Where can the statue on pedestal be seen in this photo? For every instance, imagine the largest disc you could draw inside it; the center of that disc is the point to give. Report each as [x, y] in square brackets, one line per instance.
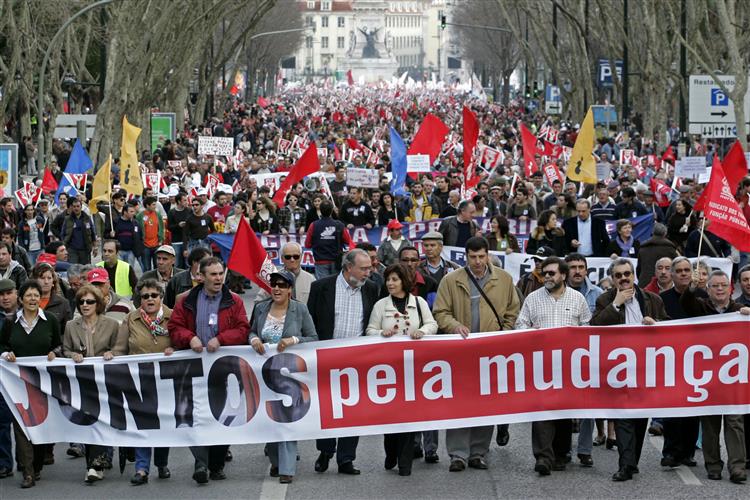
[369, 51]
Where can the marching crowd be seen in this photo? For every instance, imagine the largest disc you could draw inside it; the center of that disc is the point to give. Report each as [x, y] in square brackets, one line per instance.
[160, 285]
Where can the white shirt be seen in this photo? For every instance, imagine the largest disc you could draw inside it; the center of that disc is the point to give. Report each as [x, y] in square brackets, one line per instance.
[348, 310]
[21, 319]
[586, 247]
[542, 310]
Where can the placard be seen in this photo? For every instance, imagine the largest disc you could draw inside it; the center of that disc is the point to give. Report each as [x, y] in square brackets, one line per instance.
[209, 145]
[602, 172]
[363, 177]
[691, 166]
[705, 177]
[418, 163]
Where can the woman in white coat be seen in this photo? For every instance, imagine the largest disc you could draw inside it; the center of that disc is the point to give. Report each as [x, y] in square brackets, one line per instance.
[397, 315]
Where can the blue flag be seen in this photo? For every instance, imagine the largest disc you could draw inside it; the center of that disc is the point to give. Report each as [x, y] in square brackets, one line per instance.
[78, 163]
[398, 163]
[643, 227]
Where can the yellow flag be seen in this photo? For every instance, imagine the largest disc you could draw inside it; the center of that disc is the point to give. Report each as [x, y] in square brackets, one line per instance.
[130, 172]
[582, 166]
[101, 189]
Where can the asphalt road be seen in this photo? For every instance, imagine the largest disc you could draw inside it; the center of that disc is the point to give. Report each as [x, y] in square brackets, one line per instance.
[510, 475]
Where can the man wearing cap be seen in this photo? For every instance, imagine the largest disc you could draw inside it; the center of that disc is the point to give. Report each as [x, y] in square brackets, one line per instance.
[165, 270]
[120, 272]
[533, 280]
[151, 226]
[209, 316]
[388, 250]
[651, 206]
[434, 265]
[496, 203]
[8, 308]
[117, 307]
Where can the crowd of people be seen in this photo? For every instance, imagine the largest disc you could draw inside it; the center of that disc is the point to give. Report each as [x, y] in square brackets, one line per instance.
[160, 285]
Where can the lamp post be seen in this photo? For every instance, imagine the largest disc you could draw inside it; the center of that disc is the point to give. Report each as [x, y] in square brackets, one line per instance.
[43, 70]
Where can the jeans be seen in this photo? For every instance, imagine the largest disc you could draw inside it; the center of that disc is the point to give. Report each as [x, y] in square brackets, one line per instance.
[6, 420]
[586, 436]
[148, 258]
[284, 456]
[33, 256]
[143, 458]
[430, 440]
[128, 256]
[323, 270]
[179, 258]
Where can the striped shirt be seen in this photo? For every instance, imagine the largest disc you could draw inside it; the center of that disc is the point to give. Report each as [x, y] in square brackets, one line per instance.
[542, 310]
[349, 310]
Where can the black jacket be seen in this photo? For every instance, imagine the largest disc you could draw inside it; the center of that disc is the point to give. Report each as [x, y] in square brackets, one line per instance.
[599, 235]
[322, 304]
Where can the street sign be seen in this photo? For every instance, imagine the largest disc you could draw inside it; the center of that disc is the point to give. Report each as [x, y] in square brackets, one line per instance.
[162, 129]
[711, 112]
[552, 100]
[8, 169]
[604, 72]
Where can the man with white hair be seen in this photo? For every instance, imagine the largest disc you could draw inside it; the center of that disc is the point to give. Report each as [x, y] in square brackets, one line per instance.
[291, 260]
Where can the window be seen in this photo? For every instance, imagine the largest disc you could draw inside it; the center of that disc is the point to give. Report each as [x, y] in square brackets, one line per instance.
[323, 21]
[340, 42]
[308, 42]
[310, 4]
[308, 21]
[325, 5]
[324, 42]
[341, 22]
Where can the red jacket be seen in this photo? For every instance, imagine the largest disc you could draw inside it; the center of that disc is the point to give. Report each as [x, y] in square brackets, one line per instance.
[233, 325]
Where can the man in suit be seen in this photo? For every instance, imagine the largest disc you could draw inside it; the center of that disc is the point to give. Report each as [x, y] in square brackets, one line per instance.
[626, 304]
[585, 234]
[340, 306]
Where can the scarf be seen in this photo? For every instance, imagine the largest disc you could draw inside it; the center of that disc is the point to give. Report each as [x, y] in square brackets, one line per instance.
[625, 246]
[155, 326]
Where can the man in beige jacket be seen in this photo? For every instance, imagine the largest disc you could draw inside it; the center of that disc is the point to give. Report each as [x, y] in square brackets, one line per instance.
[478, 298]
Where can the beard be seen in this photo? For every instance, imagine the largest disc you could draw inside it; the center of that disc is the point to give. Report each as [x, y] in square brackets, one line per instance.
[551, 286]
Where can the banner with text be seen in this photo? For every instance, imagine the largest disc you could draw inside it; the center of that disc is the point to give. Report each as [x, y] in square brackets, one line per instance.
[374, 385]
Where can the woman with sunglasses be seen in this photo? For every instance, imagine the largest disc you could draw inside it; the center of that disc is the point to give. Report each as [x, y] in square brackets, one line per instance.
[144, 331]
[89, 335]
[29, 333]
[398, 315]
[283, 322]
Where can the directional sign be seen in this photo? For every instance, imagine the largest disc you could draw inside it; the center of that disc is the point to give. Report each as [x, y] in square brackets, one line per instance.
[605, 72]
[711, 110]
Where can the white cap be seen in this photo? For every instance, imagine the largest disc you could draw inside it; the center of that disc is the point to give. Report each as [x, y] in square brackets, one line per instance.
[202, 191]
[225, 188]
[174, 190]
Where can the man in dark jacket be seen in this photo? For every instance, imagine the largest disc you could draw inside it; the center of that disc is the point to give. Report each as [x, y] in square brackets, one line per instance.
[186, 280]
[652, 250]
[209, 316]
[18, 253]
[585, 234]
[457, 230]
[78, 234]
[626, 304]
[629, 207]
[342, 315]
[326, 237]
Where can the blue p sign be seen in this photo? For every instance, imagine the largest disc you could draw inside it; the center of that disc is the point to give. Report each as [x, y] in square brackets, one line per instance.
[718, 98]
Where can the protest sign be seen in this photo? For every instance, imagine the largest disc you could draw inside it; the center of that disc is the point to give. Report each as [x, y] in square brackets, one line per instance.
[221, 146]
[418, 163]
[362, 177]
[690, 166]
[372, 385]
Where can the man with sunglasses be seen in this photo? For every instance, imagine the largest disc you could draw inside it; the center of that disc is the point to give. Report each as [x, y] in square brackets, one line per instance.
[627, 304]
[291, 260]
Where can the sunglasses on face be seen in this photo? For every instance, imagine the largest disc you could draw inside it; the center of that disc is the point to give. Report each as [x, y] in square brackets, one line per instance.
[549, 273]
[89, 302]
[280, 284]
[147, 296]
[624, 274]
[292, 257]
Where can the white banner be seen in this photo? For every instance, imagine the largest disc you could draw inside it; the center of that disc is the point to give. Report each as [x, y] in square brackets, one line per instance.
[418, 163]
[221, 146]
[362, 177]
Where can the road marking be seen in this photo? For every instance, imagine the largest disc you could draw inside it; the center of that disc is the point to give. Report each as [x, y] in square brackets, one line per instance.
[684, 472]
[271, 489]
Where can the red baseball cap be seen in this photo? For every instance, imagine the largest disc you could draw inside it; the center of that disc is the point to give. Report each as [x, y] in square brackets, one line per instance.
[98, 275]
[47, 258]
[394, 224]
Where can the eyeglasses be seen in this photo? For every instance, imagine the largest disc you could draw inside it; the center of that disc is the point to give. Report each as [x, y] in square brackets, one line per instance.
[146, 296]
[280, 284]
[89, 302]
[292, 257]
[624, 274]
[549, 273]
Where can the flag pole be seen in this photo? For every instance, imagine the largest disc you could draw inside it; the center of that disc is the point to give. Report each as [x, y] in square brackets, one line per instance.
[111, 220]
[700, 241]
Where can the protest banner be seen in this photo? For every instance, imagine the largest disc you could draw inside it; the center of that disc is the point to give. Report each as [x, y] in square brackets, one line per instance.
[210, 145]
[362, 177]
[372, 385]
[690, 166]
[418, 163]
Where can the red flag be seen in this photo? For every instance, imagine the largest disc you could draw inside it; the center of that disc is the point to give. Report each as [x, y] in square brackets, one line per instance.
[336, 152]
[529, 150]
[429, 138]
[735, 165]
[350, 77]
[361, 111]
[701, 201]
[249, 258]
[661, 192]
[336, 116]
[668, 155]
[263, 102]
[552, 173]
[471, 133]
[353, 143]
[307, 164]
[727, 220]
[49, 184]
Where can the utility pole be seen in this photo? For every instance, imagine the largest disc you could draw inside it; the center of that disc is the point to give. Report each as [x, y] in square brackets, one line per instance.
[625, 68]
[554, 37]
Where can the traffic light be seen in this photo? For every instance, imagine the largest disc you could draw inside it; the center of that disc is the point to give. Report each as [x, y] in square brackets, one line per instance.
[442, 22]
[527, 92]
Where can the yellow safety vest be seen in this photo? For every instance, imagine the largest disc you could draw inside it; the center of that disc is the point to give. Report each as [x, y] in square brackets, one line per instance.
[122, 279]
